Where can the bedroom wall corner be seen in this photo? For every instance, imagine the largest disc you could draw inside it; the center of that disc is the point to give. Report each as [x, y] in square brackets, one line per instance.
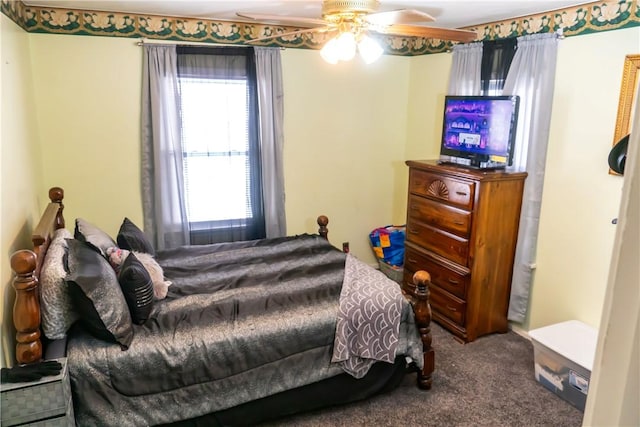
[21, 162]
[345, 132]
[428, 83]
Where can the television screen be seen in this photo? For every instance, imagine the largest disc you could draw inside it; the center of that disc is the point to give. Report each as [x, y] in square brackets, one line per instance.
[479, 131]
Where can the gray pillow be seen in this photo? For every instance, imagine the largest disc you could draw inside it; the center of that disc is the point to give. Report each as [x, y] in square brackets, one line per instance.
[96, 294]
[55, 302]
[94, 236]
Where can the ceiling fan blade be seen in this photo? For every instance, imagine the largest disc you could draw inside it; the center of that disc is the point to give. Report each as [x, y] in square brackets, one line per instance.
[401, 16]
[290, 21]
[292, 33]
[464, 36]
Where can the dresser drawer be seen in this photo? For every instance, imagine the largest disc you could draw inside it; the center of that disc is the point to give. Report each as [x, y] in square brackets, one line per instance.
[455, 191]
[439, 215]
[447, 305]
[445, 244]
[441, 275]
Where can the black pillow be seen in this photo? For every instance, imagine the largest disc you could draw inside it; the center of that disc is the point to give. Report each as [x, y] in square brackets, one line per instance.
[132, 238]
[94, 236]
[97, 296]
[137, 288]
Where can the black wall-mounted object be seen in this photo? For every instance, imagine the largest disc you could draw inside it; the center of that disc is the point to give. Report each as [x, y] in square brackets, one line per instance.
[618, 155]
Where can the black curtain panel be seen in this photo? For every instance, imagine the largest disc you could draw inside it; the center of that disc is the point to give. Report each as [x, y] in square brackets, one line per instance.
[496, 60]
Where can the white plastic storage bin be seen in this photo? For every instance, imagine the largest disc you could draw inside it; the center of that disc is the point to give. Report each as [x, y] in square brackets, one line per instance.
[563, 356]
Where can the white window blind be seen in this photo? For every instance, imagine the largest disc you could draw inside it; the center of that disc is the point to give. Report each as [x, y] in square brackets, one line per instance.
[215, 141]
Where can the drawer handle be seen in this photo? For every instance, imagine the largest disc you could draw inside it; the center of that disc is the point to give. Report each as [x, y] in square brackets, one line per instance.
[412, 261]
[451, 308]
[412, 231]
[458, 222]
[461, 193]
[453, 281]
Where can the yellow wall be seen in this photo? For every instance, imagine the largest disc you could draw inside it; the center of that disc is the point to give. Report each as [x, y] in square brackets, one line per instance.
[88, 91]
[348, 130]
[344, 141]
[428, 82]
[428, 86]
[21, 182]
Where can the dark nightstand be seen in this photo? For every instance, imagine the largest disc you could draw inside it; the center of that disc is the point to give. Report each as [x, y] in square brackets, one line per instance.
[46, 402]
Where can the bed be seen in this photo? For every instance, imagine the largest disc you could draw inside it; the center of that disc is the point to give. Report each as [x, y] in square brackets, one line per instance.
[248, 331]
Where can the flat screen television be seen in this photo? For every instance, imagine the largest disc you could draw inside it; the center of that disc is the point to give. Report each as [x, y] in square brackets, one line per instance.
[479, 131]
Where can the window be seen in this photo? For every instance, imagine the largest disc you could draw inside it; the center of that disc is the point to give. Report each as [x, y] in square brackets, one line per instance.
[216, 150]
[496, 60]
[219, 144]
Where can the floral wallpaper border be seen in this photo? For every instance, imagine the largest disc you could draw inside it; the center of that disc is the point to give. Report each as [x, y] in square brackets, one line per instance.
[584, 19]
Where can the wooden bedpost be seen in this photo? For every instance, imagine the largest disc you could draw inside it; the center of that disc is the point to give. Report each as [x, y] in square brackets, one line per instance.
[322, 223]
[51, 220]
[26, 265]
[56, 194]
[26, 309]
[422, 310]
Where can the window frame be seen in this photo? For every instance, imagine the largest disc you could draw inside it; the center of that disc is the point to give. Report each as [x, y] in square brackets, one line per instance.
[253, 225]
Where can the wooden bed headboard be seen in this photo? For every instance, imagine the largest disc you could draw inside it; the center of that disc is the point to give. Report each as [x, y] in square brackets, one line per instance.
[26, 265]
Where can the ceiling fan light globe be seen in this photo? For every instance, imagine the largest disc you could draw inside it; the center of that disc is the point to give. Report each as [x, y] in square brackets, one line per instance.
[346, 43]
[329, 51]
[369, 49]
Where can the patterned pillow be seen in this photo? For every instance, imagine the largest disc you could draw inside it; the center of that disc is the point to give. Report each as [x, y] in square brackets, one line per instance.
[97, 296]
[132, 238]
[95, 237]
[137, 288]
[55, 302]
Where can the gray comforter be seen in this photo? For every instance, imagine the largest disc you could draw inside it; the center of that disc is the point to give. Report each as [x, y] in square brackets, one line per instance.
[242, 321]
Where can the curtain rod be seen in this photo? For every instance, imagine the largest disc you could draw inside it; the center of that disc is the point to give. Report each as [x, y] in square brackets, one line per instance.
[559, 34]
[143, 41]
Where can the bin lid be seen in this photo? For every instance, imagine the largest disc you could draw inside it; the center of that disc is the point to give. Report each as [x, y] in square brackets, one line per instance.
[572, 339]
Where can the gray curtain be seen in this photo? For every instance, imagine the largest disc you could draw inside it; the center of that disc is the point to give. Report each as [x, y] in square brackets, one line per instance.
[532, 77]
[165, 218]
[271, 112]
[466, 69]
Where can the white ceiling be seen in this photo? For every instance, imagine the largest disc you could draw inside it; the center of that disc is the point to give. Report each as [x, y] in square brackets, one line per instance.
[448, 13]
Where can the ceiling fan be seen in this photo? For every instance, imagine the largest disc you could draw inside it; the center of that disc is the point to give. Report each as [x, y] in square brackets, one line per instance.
[353, 21]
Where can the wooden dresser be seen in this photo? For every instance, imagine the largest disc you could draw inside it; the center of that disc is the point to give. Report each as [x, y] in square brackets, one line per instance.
[462, 227]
